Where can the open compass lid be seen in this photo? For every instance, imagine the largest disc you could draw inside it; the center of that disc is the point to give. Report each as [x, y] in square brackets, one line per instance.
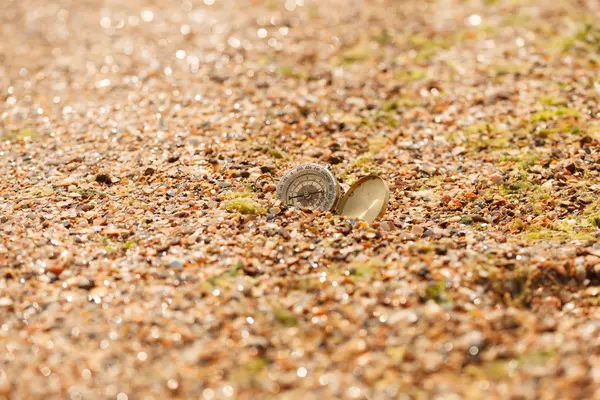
[367, 199]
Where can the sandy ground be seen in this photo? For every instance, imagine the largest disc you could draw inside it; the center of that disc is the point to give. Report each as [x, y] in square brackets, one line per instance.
[143, 253]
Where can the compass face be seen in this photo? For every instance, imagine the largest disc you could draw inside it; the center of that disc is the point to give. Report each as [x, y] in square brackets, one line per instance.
[309, 186]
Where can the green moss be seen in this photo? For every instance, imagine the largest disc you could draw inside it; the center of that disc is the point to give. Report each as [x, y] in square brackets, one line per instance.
[466, 220]
[22, 134]
[509, 159]
[244, 205]
[421, 247]
[542, 116]
[425, 55]
[275, 153]
[359, 53]
[536, 358]
[361, 271]
[411, 75]
[376, 143]
[237, 195]
[264, 60]
[486, 137]
[235, 269]
[288, 71]
[594, 221]
[363, 162]
[549, 100]
[89, 193]
[385, 119]
[424, 47]
[560, 231]
[396, 353]
[586, 39]
[513, 287]
[383, 37]
[537, 197]
[499, 369]
[516, 186]
[129, 244]
[438, 292]
[249, 371]
[389, 106]
[500, 70]
[527, 161]
[285, 318]
[492, 370]
[516, 19]
[313, 12]
[546, 133]
[548, 115]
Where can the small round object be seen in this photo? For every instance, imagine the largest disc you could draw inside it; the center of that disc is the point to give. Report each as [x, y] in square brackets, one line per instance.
[309, 186]
[367, 199]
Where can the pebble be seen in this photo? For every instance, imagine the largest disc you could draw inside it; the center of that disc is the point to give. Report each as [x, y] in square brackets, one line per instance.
[417, 230]
[5, 302]
[496, 179]
[175, 264]
[103, 178]
[387, 226]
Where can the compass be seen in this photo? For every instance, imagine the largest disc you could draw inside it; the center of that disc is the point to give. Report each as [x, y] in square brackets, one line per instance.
[314, 187]
[309, 186]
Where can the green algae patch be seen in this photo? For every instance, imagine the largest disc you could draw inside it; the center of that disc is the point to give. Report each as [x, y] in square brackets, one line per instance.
[288, 71]
[438, 292]
[361, 52]
[549, 115]
[285, 318]
[237, 195]
[276, 153]
[517, 186]
[244, 205]
[24, 134]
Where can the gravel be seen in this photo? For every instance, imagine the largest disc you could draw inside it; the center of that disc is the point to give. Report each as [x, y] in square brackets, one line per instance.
[143, 253]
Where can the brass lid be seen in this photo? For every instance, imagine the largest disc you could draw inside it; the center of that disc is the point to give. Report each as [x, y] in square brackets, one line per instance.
[367, 199]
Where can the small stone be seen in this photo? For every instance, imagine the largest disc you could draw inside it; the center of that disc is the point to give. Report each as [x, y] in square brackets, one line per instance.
[572, 168]
[417, 230]
[547, 185]
[457, 151]
[479, 219]
[175, 264]
[496, 179]
[86, 284]
[149, 171]
[103, 178]
[5, 302]
[387, 226]
[334, 160]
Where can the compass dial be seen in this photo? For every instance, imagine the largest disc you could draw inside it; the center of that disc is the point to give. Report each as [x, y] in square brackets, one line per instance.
[309, 186]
